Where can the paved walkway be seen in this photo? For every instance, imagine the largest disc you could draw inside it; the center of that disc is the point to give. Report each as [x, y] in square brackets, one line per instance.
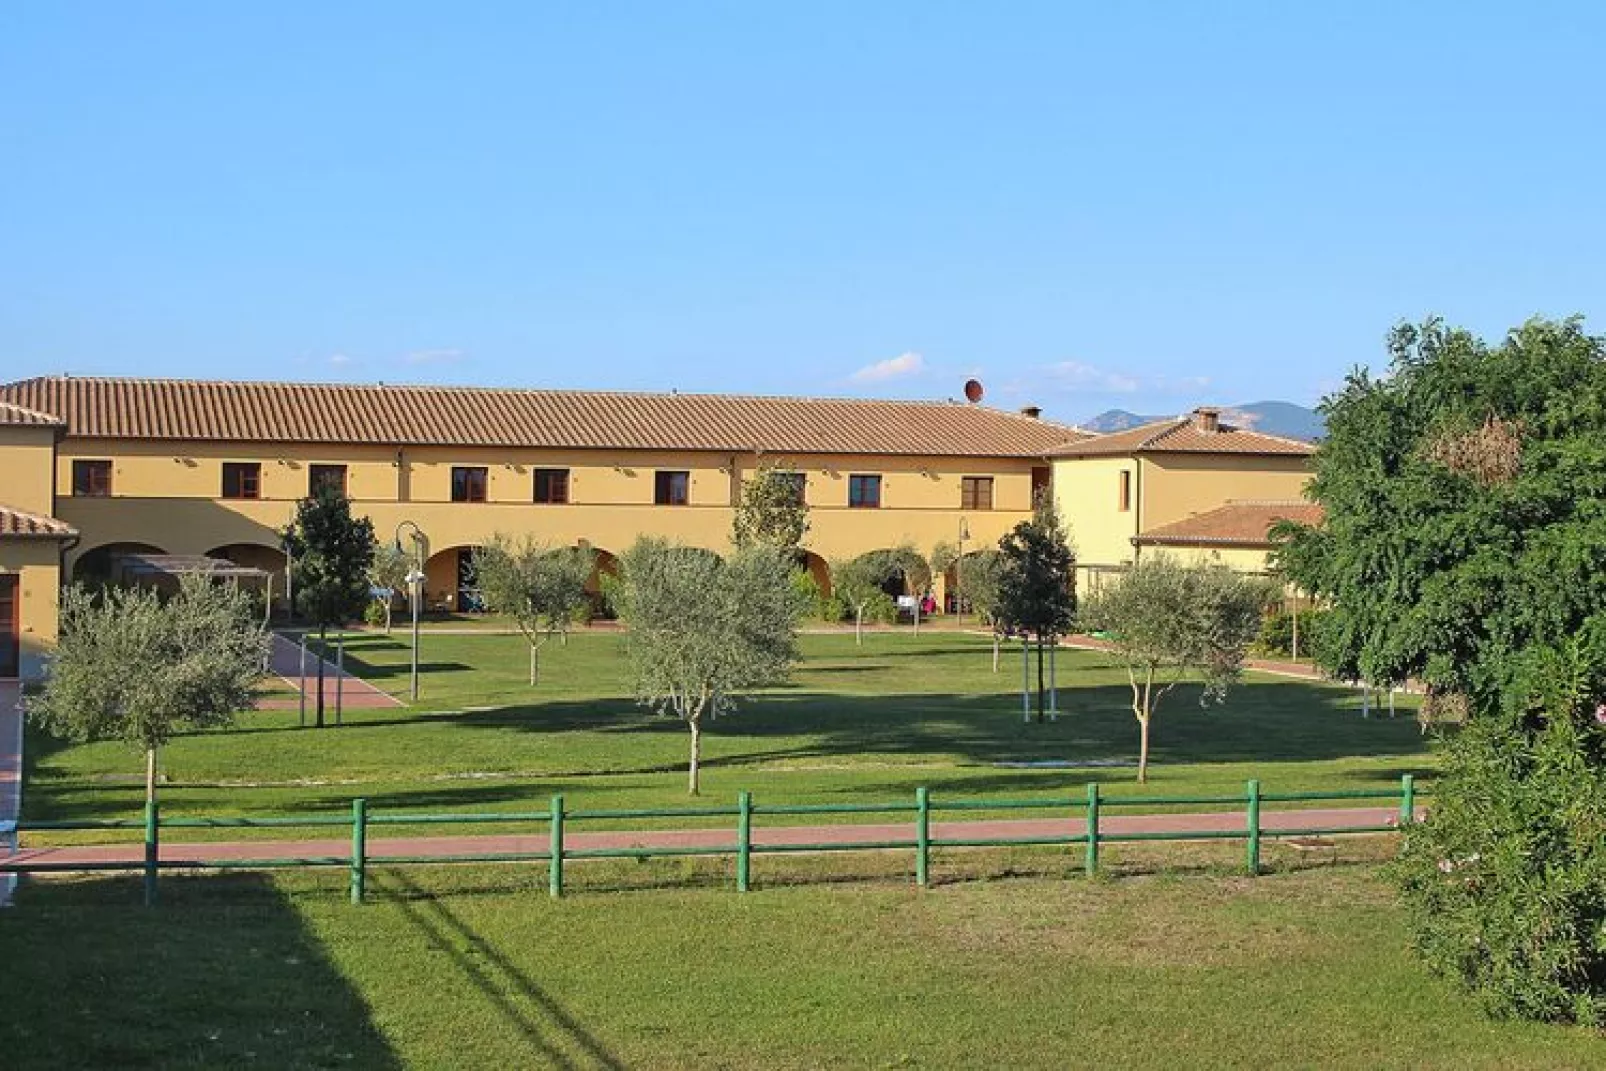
[177, 854]
[1301, 670]
[353, 692]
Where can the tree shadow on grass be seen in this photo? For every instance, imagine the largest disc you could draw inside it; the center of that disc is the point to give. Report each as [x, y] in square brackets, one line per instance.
[553, 1036]
[224, 973]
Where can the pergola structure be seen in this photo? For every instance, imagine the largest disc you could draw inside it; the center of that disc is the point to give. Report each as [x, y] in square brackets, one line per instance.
[154, 568]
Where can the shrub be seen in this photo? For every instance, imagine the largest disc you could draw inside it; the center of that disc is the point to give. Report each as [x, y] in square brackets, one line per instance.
[1506, 880]
[1276, 635]
[374, 614]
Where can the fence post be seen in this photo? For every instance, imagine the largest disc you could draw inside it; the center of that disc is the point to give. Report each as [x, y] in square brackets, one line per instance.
[555, 866]
[152, 849]
[1090, 860]
[744, 840]
[301, 681]
[359, 848]
[1407, 799]
[922, 837]
[1253, 788]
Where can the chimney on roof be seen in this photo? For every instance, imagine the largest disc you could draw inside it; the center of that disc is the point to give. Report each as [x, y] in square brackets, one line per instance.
[1031, 412]
[1207, 418]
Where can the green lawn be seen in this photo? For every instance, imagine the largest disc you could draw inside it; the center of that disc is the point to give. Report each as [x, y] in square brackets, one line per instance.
[856, 725]
[468, 968]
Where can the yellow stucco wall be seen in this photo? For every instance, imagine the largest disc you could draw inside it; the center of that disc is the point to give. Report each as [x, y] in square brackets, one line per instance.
[1241, 559]
[1087, 492]
[25, 468]
[165, 495]
[37, 561]
[1176, 486]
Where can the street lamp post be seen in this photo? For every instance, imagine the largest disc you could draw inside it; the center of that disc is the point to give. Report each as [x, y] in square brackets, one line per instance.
[415, 578]
[959, 570]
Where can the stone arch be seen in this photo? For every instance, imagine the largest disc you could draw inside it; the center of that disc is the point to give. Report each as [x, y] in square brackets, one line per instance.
[817, 567]
[449, 581]
[96, 565]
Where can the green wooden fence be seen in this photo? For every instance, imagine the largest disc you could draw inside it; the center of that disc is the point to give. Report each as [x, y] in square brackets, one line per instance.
[1088, 832]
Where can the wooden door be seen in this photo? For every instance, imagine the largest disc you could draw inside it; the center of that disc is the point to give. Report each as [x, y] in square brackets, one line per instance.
[10, 626]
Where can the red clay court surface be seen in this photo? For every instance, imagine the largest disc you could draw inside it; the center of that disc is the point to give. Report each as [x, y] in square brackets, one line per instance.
[1358, 819]
[353, 692]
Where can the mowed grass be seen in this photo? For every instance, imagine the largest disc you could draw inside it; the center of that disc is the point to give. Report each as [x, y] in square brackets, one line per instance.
[857, 724]
[473, 967]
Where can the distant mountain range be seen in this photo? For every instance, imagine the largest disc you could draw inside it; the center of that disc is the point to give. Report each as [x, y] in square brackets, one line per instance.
[1274, 418]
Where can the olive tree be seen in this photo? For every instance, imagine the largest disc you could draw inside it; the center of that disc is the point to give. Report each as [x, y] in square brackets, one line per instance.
[980, 577]
[390, 569]
[542, 589]
[135, 666]
[857, 582]
[703, 629]
[1170, 621]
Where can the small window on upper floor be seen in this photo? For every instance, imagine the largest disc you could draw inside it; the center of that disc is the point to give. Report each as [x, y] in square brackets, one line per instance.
[91, 479]
[1124, 496]
[552, 486]
[242, 479]
[671, 488]
[864, 492]
[976, 492]
[468, 483]
[320, 477]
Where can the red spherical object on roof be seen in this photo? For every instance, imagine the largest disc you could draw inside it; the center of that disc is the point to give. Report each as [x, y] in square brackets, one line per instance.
[973, 391]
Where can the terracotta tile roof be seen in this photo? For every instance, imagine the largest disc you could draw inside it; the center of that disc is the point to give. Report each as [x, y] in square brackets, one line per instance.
[1240, 523]
[1187, 435]
[477, 416]
[20, 523]
[16, 415]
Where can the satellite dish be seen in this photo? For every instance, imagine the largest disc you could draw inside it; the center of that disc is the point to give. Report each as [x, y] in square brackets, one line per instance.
[973, 391]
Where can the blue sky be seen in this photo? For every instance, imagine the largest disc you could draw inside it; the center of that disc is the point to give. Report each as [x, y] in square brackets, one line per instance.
[1143, 205]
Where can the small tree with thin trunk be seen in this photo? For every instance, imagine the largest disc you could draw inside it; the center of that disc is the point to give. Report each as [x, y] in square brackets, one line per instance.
[916, 571]
[857, 582]
[542, 589]
[333, 554]
[705, 629]
[980, 578]
[1170, 621]
[389, 571]
[1036, 596]
[134, 666]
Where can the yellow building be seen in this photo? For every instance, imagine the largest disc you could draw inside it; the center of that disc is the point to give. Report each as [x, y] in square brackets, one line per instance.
[1151, 485]
[31, 539]
[91, 469]
[216, 468]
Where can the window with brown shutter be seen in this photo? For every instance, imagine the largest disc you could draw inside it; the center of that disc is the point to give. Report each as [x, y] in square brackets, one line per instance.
[91, 479]
[332, 477]
[976, 492]
[242, 479]
[468, 483]
[1124, 500]
[552, 486]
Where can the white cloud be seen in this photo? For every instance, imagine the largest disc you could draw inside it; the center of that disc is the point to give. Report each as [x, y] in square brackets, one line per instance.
[440, 356]
[905, 364]
[1078, 375]
[1081, 376]
[339, 359]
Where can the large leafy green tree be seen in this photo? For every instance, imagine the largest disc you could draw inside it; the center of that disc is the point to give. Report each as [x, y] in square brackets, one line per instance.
[332, 555]
[705, 629]
[1171, 621]
[541, 588]
[135, 666]
[1464, 545]
[1036, 592]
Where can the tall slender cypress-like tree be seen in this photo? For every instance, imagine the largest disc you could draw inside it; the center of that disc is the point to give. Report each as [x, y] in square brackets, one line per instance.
[333, 554]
